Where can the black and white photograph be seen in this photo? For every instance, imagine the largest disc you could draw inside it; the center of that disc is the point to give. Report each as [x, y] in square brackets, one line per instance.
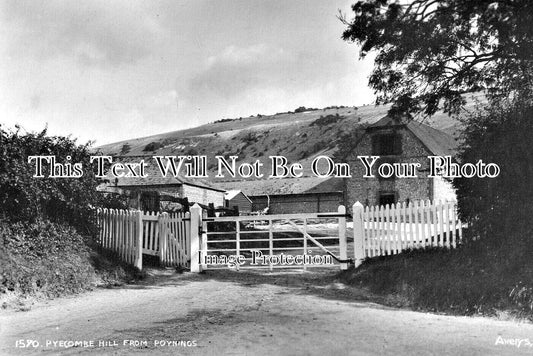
[266, 177]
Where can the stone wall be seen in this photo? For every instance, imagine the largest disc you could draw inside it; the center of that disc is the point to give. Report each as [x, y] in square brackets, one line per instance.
[369, 190]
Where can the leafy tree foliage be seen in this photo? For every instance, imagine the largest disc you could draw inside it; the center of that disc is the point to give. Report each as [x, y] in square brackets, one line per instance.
[24, 198]
[499, 209]
[430, 52]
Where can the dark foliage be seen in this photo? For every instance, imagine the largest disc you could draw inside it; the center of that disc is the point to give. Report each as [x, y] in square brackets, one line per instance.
[499, 209]
[327, 120]
[465, 281]
[63, 200]
[52, 259]
[152, 146]
[430, 52]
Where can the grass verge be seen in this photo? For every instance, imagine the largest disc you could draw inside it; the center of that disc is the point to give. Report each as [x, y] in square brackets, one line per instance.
[466, 281]
[45, 260]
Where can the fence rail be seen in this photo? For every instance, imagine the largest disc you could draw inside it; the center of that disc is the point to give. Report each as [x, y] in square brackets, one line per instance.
[387, 230]
[273, 235]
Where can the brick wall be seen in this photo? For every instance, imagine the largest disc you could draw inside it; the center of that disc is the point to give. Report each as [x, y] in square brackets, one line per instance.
[368, 190]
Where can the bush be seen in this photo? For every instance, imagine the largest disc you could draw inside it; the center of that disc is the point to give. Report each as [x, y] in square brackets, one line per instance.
[24, 198]
[327, 120]
[51, 259]
[152, 146]
[43, 257]
[498, 209]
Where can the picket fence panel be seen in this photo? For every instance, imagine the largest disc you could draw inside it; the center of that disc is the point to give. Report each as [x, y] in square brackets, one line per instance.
[132, 233]
[388, 230]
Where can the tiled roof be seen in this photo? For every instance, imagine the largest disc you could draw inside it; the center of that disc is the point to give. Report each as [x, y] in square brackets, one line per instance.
[154, 176]
[437, 142]
[283, 186]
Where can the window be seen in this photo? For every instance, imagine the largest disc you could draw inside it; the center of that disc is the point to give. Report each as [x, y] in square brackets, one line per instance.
[387, 198]
[386, 144]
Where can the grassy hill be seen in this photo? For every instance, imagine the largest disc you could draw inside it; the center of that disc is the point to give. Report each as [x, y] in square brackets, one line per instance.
[300, 136]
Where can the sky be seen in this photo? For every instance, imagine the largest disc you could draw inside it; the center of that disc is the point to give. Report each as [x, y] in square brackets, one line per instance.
[106, 71]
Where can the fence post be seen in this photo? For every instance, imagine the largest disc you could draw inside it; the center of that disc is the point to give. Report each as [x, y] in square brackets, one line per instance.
[342, 237]
[162, 221]
[358, 233]
[196, 223]
[203, 239]
[139, 253]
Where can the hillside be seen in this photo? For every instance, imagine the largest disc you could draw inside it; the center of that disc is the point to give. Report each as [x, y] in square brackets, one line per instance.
[299, 136]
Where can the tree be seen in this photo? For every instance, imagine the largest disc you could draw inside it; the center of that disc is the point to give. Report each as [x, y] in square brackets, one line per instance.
[499, 209]
[430, 52]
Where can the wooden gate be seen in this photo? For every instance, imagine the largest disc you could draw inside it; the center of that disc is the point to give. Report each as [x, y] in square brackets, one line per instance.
[130, 234]
[298, 241]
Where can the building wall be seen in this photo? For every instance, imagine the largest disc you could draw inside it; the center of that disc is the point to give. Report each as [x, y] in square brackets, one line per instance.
[368, 190]
[299, 203]
[243, 204]
[194, 194]
[443, 190]
[203, 196]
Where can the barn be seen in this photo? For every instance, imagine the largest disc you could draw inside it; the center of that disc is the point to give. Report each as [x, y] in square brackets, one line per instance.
[237, 200]
[155, 192]
[291, 195]
[399, 141]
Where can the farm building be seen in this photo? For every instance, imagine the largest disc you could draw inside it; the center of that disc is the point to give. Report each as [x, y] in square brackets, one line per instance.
[291, 195]
[236, 199]
[155, 192]
[399, 141]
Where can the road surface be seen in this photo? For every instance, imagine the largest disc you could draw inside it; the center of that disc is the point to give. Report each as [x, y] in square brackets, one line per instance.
[238, 313]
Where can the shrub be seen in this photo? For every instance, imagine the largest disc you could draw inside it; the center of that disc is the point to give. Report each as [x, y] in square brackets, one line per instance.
[152, 146]
[125, 149]
[327, 120]
[498, 208]
[25, 198]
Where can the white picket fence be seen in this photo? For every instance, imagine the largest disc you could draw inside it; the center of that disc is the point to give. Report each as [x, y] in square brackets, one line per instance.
[387, 230]
[130, 234]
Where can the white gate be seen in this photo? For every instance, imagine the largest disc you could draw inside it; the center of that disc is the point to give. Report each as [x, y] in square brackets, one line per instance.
[130, 234]
[269, 241]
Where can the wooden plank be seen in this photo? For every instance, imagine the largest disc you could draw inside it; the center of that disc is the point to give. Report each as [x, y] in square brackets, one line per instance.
[417, 224]
[270, 242]
[237, 240]
[435, 224]
[397, 228]
[448, 229]
[441, 224]
[454, 226]
[274, 217]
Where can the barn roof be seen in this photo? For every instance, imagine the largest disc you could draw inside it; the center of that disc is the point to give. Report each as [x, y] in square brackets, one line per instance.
[154, 176]
[436, 141]
[282, 186]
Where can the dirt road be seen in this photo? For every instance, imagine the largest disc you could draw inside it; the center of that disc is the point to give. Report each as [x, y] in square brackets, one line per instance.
[236, 313]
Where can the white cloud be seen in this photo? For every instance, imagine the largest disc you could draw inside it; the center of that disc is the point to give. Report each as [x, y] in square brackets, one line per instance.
[95, 32]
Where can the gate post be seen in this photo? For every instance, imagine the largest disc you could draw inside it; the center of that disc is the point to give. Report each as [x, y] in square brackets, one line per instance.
[358, 233]
[342, 237]
[203, 239]
[162, 221]
[196, 224]
[139, 243]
